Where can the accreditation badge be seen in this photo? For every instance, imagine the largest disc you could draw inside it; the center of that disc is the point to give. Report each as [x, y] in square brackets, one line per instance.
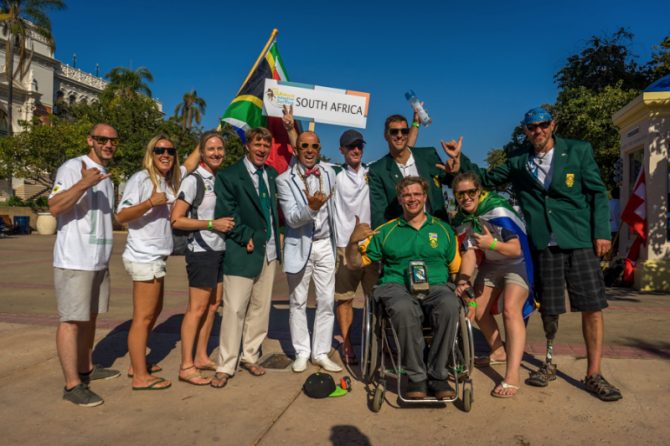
[569, 179]
[432, 239]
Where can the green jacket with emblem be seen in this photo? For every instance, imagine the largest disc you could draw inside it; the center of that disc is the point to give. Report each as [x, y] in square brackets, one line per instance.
[384, 174]
[237, 197]
[575, 207]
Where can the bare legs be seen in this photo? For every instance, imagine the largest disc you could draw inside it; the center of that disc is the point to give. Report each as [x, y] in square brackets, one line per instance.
[74, 343]
[147, 305]
[345, 316]
[593, 327]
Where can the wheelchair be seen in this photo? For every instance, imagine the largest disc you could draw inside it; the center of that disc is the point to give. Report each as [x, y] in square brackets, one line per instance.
[381, 358]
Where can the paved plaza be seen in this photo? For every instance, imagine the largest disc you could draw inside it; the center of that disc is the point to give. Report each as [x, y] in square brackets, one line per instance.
[272, 410]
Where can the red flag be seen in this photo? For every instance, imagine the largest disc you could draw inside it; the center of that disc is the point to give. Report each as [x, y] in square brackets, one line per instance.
[635, 215]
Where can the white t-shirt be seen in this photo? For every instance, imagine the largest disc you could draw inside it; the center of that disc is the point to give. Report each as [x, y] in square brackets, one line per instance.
[352, 198]
[84, 239]
[149, 236]
[204, 240]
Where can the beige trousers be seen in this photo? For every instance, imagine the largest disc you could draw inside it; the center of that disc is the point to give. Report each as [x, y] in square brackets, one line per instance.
[245, 317]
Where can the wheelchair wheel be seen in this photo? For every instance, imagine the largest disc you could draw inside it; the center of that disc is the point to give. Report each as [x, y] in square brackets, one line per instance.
[378, 398]
[370, 341]
[467, 346]
[467, 399]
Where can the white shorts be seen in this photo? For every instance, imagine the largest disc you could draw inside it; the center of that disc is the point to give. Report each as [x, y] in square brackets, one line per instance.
[81, 293]
[142, 272]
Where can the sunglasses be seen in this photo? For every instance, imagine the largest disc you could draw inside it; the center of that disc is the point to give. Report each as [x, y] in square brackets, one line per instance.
[356, 145]
[543, 125]
[471, 193]
[306, 145]
[394, 132]
[161, 150]
[105, 139]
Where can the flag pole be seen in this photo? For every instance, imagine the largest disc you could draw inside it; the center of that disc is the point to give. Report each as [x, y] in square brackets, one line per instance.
[265, 49]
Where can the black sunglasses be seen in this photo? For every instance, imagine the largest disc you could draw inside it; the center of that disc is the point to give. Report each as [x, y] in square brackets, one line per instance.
[314, 146]
[394, 132]
[161, 150]
[543, 125]
[359, 145]
[471, 193]
[105, 139]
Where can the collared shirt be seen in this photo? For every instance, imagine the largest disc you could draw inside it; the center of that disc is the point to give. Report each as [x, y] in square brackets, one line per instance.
[315, 184]
[270, 246]
[351, 199]
[397, 243]
[409, 169]
[542, 169]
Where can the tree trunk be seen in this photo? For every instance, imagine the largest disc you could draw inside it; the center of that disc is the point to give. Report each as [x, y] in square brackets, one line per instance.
[9, 69]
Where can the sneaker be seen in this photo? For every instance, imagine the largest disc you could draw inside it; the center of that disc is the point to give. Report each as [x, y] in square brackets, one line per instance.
[82, 396]
[599, 386]
[325, 363]
[416, 390]
[441, 389]
[98, 372]
[299, 365]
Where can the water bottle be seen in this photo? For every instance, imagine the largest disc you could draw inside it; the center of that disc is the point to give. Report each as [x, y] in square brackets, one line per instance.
[418, 108]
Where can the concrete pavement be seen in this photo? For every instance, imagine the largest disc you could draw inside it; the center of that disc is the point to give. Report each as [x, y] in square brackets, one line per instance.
[272, 409]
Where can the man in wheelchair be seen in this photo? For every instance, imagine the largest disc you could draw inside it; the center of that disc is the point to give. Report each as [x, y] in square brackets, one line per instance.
[418, 253]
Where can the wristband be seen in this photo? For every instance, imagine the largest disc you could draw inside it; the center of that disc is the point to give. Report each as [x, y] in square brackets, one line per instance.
[416, 124]
[493, 244]
[210, 225]
[472, 304]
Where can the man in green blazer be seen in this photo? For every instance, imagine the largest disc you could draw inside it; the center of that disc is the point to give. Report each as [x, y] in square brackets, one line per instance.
[246, 191]
[402, 161]
[565, 204]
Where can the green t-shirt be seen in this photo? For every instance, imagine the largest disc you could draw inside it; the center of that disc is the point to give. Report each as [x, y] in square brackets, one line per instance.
[397, 243]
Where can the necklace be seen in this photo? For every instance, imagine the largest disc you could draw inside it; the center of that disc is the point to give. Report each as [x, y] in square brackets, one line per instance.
[541, 158]
[304, 180]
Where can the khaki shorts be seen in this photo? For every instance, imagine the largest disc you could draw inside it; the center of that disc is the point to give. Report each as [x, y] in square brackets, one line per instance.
[347, 280]
[79, 294]
[497, 276]
[142, 272]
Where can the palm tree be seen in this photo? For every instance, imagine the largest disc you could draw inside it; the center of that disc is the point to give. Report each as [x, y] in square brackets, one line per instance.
[14, 16]
[190, 109]
[127, 83]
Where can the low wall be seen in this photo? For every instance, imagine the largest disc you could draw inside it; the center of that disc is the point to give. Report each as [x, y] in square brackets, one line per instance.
[21, 211]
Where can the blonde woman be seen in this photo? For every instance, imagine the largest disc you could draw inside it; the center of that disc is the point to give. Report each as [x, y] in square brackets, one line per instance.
[145, 207]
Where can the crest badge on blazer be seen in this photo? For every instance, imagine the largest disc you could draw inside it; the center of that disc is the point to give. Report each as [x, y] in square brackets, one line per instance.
[569, 179]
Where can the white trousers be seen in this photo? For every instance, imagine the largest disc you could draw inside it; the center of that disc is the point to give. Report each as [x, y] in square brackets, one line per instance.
[320, 267]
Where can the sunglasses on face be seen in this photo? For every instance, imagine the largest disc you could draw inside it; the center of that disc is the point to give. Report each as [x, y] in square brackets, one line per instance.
[395, 132]
[543, 125]
[306, 145]
[161, 150]
[102, 140]
[471, 193]
[356, 145]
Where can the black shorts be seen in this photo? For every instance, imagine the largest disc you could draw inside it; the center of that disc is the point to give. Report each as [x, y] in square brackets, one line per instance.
[204, 269]
[578, 270]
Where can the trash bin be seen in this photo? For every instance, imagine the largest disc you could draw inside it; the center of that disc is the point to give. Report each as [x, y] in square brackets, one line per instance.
[22, 224]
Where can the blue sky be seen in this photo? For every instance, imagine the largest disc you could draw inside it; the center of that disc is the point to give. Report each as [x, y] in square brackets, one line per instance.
[478, 65]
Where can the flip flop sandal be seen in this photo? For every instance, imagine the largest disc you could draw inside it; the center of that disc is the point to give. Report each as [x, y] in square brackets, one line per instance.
[192, 378]
[542, 376]
[151, 368]
[503, 385]
[599, 386]
[154, 384]
[219, 380]
[253, 369]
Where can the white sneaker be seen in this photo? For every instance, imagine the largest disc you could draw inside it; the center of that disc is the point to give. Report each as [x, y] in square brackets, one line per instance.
[327, 364]
[299, 365]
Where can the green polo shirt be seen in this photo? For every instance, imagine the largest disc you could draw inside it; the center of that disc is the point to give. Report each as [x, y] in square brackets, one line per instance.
[397, 243]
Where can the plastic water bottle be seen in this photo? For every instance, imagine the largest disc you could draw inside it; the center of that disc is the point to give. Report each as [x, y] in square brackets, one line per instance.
[418, 108]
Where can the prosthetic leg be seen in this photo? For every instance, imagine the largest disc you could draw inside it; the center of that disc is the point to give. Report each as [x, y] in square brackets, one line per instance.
[547, 371]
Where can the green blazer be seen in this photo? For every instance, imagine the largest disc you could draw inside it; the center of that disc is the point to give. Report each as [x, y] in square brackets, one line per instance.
[575, 207]
[384, 174]
[237, 197]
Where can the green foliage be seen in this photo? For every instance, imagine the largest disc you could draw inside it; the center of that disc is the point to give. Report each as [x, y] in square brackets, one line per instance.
[495, 158]
[234, 147]
[127, 83]
[190, 109]
[659, 65]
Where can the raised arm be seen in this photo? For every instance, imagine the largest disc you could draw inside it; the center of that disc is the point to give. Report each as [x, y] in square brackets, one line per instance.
[63, 201]
[296, 212]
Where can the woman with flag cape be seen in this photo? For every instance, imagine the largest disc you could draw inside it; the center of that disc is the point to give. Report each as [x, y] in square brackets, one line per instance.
[493, 240]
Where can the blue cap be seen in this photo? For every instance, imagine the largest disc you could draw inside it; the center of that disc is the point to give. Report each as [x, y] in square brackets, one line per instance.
[537, 114]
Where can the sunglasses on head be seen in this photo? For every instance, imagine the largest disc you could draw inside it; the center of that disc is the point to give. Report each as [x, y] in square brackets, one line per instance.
[161, 150]
[543, 125]
[356, 145]
[394, 132]
[105, 139]
[305, 145]
[471, 193]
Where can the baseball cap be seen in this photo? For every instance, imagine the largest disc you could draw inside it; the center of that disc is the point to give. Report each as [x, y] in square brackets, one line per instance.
[350, 137]
[537, 114]
[322, 385]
